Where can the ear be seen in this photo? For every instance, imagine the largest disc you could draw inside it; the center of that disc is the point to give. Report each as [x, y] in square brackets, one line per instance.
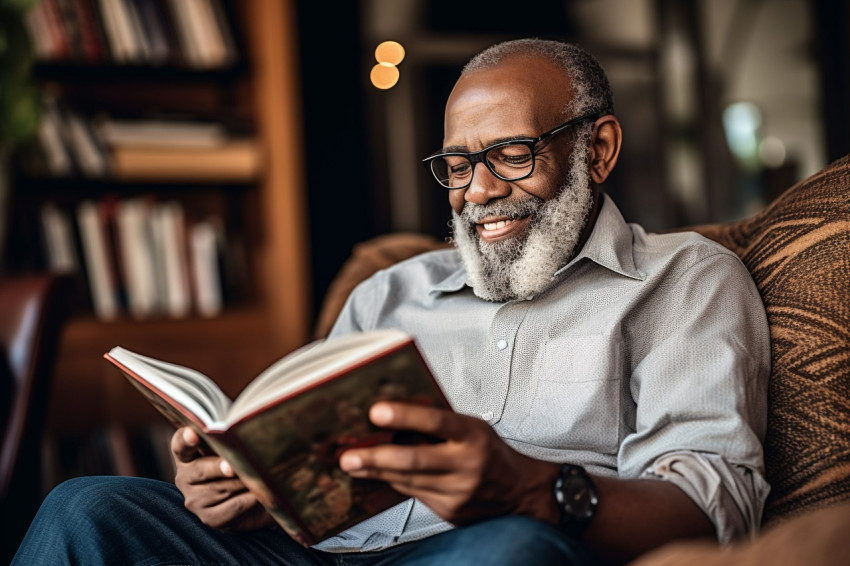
[605, 147]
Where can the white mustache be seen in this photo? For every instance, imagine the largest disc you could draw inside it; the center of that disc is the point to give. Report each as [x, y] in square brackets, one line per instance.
[513, 209]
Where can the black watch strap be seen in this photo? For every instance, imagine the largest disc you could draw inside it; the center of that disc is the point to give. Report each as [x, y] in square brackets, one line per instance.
[577, 498]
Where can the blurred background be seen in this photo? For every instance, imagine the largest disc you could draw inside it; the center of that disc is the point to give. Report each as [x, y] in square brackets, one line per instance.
[204, 168]
[724, 103]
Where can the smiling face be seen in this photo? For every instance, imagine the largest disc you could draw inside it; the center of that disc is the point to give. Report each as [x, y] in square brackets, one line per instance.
[514, 235]
[521, 97]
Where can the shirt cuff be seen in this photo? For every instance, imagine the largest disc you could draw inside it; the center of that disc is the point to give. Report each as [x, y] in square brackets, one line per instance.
[731, 496]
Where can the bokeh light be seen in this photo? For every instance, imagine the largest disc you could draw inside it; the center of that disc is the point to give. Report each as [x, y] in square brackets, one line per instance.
[384, 75]
[389, 52]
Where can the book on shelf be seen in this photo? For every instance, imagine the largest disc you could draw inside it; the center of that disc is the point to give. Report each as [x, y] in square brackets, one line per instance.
[232, 161]
[58, 41]
[96, 253]
[153, 149]
[204, 244]
[136, 252]
[168, 244]
[144, 256]
[157, 133]
[284, 433]
[59, 240]
[205, 38]
[35, 21]
[54, 137]
[193, 33]
[95, 50]
[119, 32]
[90, 157]
[69, 143]
[154, 28]
[71, 29]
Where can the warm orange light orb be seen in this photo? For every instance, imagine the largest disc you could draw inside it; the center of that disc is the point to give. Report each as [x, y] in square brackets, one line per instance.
[384, 75]
[389, 52]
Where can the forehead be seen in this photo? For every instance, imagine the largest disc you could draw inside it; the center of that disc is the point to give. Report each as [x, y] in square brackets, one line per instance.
[521, 96]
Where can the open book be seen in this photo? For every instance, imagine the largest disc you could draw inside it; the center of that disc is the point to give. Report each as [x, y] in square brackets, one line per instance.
[284, 433]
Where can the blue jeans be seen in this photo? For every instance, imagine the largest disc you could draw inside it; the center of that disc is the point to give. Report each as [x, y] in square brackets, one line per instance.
[133, 521]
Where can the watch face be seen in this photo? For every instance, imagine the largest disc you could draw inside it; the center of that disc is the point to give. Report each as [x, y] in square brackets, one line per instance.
[576, 494]
[582, 500]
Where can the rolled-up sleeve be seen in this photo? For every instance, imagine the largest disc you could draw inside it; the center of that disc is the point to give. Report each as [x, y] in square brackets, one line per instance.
[732, 496]
[700, 395]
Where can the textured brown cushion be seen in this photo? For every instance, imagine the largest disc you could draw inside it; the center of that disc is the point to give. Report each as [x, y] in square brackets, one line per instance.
[798, 251]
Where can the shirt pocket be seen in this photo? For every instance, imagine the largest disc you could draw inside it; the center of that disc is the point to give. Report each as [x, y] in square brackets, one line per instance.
[577, 386]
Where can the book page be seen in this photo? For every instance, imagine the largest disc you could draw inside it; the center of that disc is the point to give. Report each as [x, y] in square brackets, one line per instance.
[310, 364]
[190, 388]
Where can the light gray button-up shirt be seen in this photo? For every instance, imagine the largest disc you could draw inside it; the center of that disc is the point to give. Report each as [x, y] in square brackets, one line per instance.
[648, 356]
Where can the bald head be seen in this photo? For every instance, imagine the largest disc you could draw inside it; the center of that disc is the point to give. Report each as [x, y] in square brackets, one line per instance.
[591, 91]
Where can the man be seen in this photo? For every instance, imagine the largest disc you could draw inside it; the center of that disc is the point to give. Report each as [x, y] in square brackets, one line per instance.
[609, 385]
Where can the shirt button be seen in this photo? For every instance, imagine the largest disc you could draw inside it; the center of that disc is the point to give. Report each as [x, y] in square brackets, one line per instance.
[501, 344]
[487, 415]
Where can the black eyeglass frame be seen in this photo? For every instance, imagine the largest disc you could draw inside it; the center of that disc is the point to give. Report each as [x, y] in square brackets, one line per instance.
[481, 156]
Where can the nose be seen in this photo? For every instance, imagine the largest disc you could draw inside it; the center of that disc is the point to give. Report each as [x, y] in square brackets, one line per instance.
[485, 186]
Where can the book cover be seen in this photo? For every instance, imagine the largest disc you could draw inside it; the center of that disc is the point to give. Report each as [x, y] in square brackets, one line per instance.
[286, 447]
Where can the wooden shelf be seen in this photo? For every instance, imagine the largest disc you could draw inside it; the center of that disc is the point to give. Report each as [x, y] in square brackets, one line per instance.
[46, 185]
[88, 393]
[83, 73]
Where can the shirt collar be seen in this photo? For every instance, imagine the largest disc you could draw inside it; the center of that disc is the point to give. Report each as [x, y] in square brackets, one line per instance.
[609, 245]
[455, 281]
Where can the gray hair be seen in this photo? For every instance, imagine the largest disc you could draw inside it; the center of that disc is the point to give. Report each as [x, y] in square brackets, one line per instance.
[591, 90]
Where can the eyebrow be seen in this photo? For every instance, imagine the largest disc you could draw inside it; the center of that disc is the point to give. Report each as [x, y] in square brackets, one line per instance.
[464, 149]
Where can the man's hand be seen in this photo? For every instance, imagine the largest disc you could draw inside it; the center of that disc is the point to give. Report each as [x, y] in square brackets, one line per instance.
[211, 489]
[471, 476]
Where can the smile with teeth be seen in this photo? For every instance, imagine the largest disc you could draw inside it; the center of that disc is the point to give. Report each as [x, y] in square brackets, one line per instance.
[493, 229]
[496, 225]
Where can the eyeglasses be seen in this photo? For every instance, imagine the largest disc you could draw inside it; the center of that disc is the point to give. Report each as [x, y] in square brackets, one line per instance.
[510, 160]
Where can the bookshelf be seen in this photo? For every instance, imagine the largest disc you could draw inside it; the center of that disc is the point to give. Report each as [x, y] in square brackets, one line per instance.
[263, 205]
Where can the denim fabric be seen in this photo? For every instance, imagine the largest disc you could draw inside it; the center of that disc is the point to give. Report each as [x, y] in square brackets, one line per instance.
[140, 522]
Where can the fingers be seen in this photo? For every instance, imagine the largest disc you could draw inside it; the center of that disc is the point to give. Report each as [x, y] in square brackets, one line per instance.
[210, 487]
[465, 437]
[206, 469]
[186, 445]
[227, 512]
[437, 422]
[428, 458]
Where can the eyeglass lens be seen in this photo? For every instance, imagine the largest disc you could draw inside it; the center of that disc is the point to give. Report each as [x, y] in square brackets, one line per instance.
[511, 162]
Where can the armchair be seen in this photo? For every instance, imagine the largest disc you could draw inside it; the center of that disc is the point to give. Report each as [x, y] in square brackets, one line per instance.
[32, 313]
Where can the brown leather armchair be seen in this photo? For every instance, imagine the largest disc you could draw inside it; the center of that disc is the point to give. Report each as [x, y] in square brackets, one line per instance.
[33, 310]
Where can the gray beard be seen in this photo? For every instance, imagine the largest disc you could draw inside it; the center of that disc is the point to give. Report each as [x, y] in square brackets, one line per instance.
[520, 268]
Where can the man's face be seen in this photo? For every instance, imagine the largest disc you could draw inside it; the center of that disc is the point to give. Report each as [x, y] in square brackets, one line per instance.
[514, 235]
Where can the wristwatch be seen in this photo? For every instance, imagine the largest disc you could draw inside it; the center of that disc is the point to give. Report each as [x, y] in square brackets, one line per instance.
[577, 499]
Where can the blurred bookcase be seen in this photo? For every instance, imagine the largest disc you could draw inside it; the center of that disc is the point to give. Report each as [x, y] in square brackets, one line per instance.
[168, 176]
